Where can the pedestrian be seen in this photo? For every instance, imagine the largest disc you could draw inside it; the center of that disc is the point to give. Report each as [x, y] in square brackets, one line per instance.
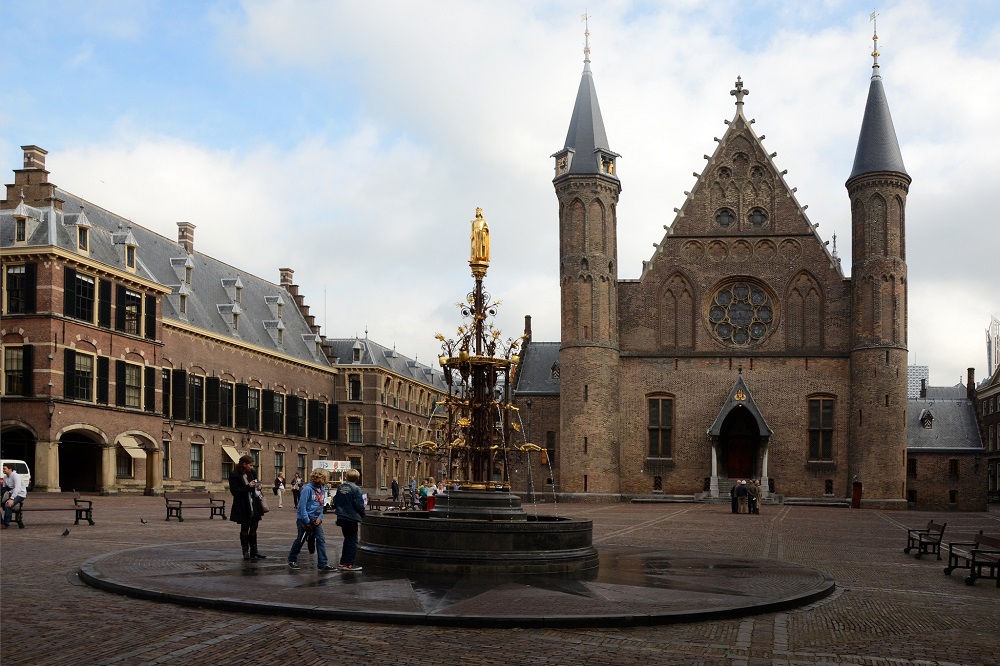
[296, 488]
[413, 491]
[760, 495]
[309, 521]
[350, 504]
[741, 495]
[752, 489]
[441, 487]
[247, 509]
[279, 488]
[15, 486]
[395, 490]
[732, 496]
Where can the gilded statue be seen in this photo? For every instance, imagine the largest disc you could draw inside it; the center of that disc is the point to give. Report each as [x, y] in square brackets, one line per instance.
[480, 239]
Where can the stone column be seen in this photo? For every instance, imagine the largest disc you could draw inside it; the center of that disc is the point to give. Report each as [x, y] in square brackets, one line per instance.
[46, 470]
[106, 483]
[154, 472]
[713, 487]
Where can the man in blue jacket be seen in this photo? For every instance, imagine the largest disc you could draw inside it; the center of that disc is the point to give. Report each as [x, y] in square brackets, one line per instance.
[350, 504]
[309, 519]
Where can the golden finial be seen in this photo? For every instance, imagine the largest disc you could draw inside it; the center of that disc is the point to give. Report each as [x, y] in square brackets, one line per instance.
[480, 242]
[874, 19]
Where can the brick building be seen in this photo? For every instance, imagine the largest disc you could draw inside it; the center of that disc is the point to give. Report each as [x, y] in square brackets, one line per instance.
[742, 350]
[135, 363]
[988, 411]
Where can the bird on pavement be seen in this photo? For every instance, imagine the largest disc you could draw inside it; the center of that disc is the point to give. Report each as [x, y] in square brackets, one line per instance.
[142, 520]
[65, 531]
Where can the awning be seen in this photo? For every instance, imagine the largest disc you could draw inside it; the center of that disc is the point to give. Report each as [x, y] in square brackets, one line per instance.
[231, 451]
[132, 447]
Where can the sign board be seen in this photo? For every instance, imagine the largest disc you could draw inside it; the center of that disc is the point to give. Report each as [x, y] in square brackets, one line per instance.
[332, 465]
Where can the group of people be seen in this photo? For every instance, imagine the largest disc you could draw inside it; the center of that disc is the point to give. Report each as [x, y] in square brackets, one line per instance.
[248, 510]
[746, 496]
[13, 493]
[417, 494]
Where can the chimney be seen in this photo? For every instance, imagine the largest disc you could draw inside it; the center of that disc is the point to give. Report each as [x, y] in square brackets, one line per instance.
[527, 326]
[970, 388]
[185, 236]
[286, 276]
[923, 388]
[34, 157]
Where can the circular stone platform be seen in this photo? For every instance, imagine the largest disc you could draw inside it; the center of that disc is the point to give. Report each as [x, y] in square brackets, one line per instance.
[632, 587]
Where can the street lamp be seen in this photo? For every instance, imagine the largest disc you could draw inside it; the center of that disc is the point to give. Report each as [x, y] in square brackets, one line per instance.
[52, 410]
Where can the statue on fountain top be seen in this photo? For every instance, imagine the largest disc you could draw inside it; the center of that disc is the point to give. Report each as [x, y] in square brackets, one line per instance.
[480, 240]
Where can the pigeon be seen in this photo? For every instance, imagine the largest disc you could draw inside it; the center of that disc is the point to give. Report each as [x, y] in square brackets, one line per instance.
[65, 532]
[142, 520]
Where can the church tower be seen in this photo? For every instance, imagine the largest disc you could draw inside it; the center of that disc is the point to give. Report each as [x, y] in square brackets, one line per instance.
[877, 187]
[587, 187]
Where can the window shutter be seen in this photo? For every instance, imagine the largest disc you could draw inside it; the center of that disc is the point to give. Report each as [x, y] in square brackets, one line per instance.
[150, 389]
[27, 376]
[30, 286]
[119, 306]
[119, 383]
[69, 292]
[312, 418]
[178, 395]
[301, 408]
[69, 373]
[267, 411]
[212, 400]
[103, 378]
[332, 423]
[320, 432]
[167, 413]
[104, 304]
[242, 400]
[290, 411]
[150, 317]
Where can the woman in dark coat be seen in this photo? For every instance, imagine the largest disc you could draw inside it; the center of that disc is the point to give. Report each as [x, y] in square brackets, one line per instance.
[246, 509]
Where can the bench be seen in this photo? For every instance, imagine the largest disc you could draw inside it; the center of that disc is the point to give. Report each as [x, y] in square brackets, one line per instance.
[980, 557]
[83, 509]
[382, 504]
[926, 540]
[177, 503]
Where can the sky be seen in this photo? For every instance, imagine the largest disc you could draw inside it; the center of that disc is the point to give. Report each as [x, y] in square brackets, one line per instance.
[353, 141]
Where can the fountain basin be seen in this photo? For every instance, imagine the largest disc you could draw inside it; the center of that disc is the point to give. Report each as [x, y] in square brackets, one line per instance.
[420, 541]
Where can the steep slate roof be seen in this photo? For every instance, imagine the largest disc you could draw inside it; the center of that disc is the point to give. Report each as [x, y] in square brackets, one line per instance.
[161, 260]
[586, 127]
[878, 149]
[953, 425]
[956, 392]
[383, 357]
[535, 375]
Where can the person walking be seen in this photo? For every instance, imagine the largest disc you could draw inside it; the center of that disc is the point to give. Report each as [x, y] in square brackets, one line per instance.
[309, 521]
[247, 510]
[14, 484]
[752, 489]
[296, 488]
[760, 495]
[413, 491]
[350, 507]
[395, 490]
[732, 496]
[279, 488]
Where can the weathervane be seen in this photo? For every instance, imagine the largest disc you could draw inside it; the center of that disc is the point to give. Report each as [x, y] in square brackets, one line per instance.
[739, 93]
[874, 19]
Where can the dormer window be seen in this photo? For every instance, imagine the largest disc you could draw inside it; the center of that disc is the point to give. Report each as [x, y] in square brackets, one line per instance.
[188, 271]
[236, 321]
[357, 355]
[239, 293]
[608, 166]
[20, 230]
[926, 419]
[130, 257]
[183, 304]
[82, 239]
[564, 161]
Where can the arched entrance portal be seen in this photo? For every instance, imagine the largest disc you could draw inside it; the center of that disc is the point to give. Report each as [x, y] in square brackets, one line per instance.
[18, 443]
[79, 463]
[739, 443]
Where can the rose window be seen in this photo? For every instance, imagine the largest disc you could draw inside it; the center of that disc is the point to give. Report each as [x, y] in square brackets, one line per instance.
[741, 313]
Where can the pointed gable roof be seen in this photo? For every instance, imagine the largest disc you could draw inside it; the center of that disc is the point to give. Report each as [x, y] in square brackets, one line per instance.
[878, 149]
[740, 398]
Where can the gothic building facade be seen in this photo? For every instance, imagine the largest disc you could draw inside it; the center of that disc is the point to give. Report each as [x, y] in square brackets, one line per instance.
[742, 350]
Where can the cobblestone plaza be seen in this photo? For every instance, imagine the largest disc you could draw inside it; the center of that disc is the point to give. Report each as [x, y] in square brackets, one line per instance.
[888, 608]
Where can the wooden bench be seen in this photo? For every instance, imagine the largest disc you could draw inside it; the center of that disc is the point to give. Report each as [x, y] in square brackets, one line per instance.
[980, 557]
[178, 502]
[382, 504]
[926, 540]
[83, 509]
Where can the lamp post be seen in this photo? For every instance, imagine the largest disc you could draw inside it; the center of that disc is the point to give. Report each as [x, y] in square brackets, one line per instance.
[52, 410]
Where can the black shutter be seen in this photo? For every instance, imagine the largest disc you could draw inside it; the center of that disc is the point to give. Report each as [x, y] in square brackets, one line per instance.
[178, 395]
[332, 423]
[119, 306]
[320, 432]
[242, 400]
[312, 418]
[104, 304]
[27, 374]
[300, 410]
[119, 383]
[166, 394]
[103, 379]
[150, 317]
[267, 411]
[69, 373]
[150, 389]
[212, 400]
[291, 407]
[69, 293]
[30, 285]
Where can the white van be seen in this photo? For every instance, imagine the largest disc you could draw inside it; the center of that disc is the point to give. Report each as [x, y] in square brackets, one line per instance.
[22, 469]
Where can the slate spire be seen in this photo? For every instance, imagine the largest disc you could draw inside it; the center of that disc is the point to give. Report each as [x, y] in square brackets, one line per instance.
[586, 151]
[878, 149]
